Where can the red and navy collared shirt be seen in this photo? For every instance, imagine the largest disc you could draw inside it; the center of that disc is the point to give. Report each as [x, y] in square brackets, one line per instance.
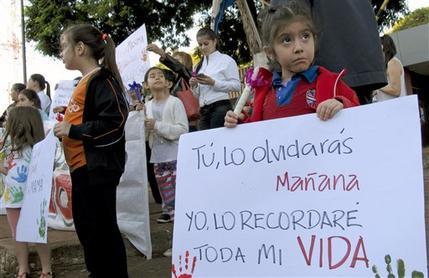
[296, 97]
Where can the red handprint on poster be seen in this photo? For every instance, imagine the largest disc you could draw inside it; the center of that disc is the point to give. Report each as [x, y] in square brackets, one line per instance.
[184, 272]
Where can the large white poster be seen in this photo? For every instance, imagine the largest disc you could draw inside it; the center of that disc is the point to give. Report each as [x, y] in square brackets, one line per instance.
[298, 197]
[131, 57]
[132, 197]
[32, 225]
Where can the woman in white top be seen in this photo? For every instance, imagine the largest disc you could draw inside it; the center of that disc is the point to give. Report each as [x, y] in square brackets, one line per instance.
[215, 76]
[38, 83]
[395, 73]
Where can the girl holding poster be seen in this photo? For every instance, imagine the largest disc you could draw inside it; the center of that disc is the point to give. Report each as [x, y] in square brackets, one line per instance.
[94, 146]
[298, 87]
[24, 128]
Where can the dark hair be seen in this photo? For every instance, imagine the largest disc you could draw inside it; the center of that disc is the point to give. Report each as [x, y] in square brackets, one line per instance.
[146, 75]
[389, 48]
[205, 32]
[24, 126]
[273, 18]
[100, 44]
[32, 96]
[169, 75]
[40, 79]
[186, 58]
[18, 87]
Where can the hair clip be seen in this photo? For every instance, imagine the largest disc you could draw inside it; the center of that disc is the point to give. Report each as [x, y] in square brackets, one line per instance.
[104, 37]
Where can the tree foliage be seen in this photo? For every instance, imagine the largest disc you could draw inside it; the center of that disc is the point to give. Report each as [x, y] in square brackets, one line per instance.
[416, 18]
[393, 11]
[165, 21]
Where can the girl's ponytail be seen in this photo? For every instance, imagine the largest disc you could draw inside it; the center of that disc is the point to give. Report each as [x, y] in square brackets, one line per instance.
[48, 89]
[109, 60]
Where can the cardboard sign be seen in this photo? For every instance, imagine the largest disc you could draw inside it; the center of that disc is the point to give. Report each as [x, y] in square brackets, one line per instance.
[131, 57]
[298, 197]
[32, 225]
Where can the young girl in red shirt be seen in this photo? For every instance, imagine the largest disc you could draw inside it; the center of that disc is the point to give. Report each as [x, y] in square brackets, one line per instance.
[295, 86]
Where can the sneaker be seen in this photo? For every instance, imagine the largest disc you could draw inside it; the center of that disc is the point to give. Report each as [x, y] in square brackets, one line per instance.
[168, 252]
[164, 218]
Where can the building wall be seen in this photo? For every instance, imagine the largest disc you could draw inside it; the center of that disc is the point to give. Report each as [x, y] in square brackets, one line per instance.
[413, 48]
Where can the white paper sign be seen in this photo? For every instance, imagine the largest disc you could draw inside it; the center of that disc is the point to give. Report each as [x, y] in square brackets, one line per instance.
[32, 224]
[62, 95]
[298, 197]
[130, 56]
